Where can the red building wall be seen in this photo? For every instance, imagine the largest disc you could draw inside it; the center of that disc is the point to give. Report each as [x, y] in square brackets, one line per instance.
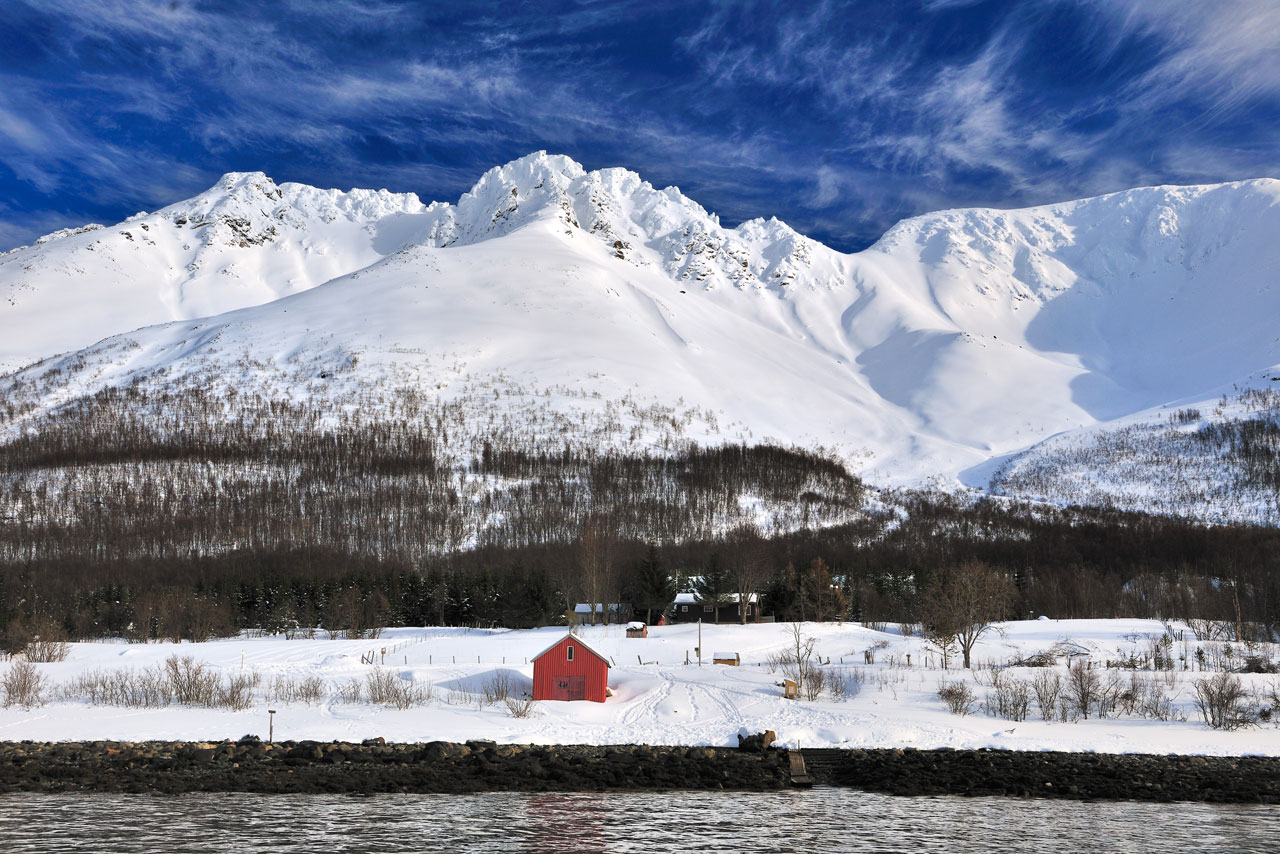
[555, 677]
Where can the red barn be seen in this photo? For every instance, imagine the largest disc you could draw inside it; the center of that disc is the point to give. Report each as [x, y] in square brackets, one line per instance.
[570, 670]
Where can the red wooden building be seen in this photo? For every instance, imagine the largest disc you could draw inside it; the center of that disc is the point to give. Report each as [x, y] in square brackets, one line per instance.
[570, 670]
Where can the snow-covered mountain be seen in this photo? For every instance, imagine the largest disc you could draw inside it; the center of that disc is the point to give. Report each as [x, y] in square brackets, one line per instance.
[960, 338]
[242, 242]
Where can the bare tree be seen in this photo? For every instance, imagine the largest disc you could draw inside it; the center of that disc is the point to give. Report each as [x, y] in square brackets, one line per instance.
[747, 568]
[597, 543]
[964, 603]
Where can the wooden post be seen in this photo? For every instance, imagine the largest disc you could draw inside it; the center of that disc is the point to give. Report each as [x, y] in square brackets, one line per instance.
[271, 725]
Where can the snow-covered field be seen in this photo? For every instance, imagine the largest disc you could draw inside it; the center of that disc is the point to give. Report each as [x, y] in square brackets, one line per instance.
[660, 701]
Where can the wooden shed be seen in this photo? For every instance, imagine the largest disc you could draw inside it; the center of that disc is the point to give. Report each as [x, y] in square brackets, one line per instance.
[570, 670]
[636, 629]
[730, 658]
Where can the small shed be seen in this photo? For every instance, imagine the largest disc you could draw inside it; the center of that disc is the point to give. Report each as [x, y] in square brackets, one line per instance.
[637, 629]
[730, 658]
[570, 670]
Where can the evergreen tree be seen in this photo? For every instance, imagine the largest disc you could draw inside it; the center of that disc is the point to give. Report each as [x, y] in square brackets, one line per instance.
[655, 587]
[715, 585]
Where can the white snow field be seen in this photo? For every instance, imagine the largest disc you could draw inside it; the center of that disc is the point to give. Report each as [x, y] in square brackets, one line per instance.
[957, 340]
[663, 700]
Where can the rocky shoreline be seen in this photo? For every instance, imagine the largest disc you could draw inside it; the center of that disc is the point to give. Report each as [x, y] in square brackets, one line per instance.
[1077, 776]
[476, 766]
[372, 767]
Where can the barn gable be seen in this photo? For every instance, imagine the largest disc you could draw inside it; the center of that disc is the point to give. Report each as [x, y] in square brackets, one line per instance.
[570, 670]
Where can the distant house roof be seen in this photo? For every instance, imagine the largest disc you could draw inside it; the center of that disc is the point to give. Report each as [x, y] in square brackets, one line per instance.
[729, 599]
[585, 608]
[577, 642]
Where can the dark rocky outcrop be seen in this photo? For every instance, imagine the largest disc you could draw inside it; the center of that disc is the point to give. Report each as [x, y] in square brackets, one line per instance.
[308, 766]
[250, 765]
[1080, 776]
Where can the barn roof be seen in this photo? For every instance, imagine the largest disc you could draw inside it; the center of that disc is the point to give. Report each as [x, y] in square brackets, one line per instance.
[580, 642]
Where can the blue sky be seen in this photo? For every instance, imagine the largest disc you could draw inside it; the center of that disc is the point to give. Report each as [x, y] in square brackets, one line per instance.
[840, 118]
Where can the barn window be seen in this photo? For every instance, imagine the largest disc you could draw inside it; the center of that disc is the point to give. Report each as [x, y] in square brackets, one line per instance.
[571, 653]
[706, 608]
[684, 607]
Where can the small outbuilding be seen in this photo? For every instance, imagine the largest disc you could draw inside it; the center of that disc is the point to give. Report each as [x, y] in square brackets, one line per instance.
[637, 629]
[730, 658]
[570, 670]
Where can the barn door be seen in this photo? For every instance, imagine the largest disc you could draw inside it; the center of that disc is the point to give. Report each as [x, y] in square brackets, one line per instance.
[569, 688]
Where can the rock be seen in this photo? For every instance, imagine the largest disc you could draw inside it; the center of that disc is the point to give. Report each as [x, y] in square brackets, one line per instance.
[758, 743]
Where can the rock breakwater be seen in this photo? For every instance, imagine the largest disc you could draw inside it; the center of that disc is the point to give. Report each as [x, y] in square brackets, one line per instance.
[478, 766]
[1080, 776]
[343, 767]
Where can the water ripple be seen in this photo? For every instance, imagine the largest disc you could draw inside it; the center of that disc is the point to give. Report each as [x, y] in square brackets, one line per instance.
[824, 819]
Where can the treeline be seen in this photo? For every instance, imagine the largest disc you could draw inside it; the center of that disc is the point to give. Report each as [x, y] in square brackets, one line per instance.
[123, 476]
[1072, 563]
[182, 513]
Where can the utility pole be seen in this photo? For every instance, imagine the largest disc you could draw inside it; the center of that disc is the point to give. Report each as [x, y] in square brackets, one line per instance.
[699, 642]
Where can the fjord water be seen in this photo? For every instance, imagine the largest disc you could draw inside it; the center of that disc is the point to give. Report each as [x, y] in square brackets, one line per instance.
[823, 819]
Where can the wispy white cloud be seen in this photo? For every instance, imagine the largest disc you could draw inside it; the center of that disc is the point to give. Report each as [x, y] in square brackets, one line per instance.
[865, 118]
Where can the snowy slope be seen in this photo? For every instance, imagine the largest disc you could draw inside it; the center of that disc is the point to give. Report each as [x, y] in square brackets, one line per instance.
[960, 338]
[245, 241]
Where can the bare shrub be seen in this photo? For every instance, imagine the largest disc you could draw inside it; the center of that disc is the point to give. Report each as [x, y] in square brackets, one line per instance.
[1036, 659]
[1223, 702]
[234, 692]
[1128, 696]
[137, 689]
[815, 682]
[499, 687]
[1009, 697]
[351, 691]
[45, 651]
[1105, 702]
[1048, 688]
[521, 707]
[1271, 696]
[381, 687]
[796, 661]
[147, 688]
[285, 689]
[193, 682]
[1156, 704]
[23, 685]
[844, 683]
[958, 697]
[1083, 690]
[388, 689]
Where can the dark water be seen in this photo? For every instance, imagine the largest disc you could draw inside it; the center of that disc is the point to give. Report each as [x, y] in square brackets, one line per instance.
[823, 820]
